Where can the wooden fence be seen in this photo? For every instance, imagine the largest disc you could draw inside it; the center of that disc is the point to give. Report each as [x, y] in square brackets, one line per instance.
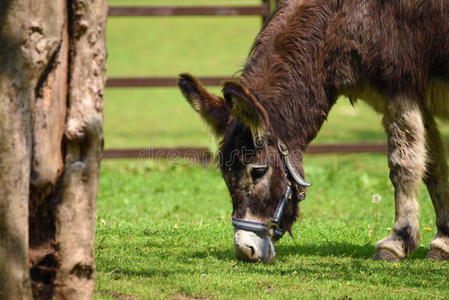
[201, 154]
[204, 156]
[262, 10]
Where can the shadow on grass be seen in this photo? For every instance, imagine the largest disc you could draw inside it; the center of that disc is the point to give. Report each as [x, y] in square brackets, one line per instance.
[339, 264]
[339, 261]
[421, 252]
[349, 262]
[224, 255]
[426, 274]
[338, 249]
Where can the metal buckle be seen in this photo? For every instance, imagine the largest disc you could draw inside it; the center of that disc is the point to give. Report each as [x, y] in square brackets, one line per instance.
[301, 196]
[271, 229]
[282, 148]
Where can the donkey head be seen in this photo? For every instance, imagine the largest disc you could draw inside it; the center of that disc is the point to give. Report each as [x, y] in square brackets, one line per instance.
[251, 164]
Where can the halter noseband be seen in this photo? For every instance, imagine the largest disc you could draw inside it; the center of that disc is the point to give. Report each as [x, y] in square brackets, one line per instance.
[272, 227]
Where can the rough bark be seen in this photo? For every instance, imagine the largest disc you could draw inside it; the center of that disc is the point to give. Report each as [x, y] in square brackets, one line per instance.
[52, 74]
[48, 115]
[84, 144]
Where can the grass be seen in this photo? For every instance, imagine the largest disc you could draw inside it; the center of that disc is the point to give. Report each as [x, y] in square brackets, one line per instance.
[143, 47]
[164, 228]
[164, 231]
[157, 117]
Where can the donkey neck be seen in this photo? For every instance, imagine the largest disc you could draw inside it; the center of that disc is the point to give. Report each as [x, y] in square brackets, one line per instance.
[285, 71]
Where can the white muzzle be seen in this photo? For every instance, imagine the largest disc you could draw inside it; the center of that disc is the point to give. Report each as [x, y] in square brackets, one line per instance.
[250, 246]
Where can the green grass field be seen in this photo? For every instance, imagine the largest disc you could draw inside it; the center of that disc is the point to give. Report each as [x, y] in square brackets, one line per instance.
[164, 232]
[164, 229]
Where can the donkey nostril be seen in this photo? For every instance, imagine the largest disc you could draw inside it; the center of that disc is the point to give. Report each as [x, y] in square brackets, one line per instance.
[245, 252]
[251, 248]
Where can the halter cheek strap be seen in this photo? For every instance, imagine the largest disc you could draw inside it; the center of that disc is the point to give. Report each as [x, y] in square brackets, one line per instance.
[289, 167]
[272, 227]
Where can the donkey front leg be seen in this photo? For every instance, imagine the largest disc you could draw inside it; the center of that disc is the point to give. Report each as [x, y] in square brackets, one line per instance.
[438, 186]
[404, 126]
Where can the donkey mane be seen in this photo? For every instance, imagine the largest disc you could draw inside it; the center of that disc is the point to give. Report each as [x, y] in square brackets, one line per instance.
[310, 51]
[282, 70]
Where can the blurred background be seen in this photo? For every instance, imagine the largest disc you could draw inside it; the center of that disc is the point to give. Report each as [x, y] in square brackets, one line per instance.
[164, 46]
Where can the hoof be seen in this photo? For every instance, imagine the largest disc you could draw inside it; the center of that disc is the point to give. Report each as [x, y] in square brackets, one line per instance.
[386, 255]
[438, 254]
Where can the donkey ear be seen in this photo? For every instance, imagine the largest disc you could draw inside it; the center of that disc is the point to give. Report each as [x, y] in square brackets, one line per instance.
[245, 107]
[210, 107]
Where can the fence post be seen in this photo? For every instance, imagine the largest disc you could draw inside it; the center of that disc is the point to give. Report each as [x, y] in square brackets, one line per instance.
[266, 11]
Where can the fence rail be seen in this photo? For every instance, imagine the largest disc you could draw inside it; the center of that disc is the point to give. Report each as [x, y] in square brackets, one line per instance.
[263, 10]
[203, 155]
[158, 81]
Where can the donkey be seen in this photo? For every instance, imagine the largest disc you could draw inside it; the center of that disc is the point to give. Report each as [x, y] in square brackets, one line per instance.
[393, 54]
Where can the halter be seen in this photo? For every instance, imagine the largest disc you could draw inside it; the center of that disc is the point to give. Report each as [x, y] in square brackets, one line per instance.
[272, 227]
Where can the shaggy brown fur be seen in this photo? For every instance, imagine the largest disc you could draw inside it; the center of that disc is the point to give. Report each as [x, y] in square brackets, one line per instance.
[391, 53]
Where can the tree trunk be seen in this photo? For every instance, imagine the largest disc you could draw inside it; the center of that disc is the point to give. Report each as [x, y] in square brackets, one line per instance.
[52, 75]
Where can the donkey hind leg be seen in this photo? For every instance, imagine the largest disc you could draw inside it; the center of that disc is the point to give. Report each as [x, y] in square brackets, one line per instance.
[404, 126]
[437, 183]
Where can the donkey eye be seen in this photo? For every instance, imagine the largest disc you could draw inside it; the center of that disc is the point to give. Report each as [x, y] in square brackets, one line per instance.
[258, 172]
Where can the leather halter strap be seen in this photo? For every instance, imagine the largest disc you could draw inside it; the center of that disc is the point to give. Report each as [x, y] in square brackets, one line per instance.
[272, 228]
[289, 167]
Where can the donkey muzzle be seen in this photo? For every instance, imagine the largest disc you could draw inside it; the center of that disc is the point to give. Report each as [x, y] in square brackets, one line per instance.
[253, 247]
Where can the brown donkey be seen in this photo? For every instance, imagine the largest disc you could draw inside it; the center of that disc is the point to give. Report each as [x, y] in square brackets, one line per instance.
[393, 54]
